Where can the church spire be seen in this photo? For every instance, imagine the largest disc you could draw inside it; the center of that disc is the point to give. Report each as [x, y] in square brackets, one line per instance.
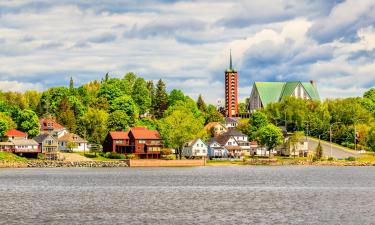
[230, 60]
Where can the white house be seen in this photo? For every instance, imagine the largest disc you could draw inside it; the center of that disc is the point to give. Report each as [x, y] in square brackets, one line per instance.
[80, 143]
[241, 140]
[216, 150]
[230, 122]
[195, 148]
[25, 146]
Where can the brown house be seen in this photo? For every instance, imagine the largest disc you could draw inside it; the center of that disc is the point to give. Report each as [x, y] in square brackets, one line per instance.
[144, 143]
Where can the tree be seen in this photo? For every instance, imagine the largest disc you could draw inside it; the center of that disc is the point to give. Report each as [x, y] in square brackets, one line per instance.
[111, 89]
[161, 99]
[257, 121]
[296, 138]
[147, 122]
[28, 122]
[178, 128]
[319, 151]
[200, 103]
[212, 115]
[106, 77]
[11, 124]
[128, 83]
[270, 136]
[151, 90]
[93, 125]
[119, 120]
[126, 104]
[71, 84]
[3, 127]
[242, 108]
[141, 95]
[66, 115]
[175, 96]
[71, 145]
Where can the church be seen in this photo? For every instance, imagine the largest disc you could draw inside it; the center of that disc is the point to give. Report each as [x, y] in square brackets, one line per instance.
[264, 93]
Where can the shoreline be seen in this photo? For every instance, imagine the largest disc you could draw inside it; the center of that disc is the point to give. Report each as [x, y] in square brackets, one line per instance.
[118, 164]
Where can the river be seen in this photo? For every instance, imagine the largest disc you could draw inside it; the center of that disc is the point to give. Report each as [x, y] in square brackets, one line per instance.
[191, 195]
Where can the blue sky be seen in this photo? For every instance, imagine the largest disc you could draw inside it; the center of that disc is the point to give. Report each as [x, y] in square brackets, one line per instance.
[186, 43]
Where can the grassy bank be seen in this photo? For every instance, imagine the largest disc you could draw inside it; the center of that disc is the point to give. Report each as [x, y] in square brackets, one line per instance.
[10, 157]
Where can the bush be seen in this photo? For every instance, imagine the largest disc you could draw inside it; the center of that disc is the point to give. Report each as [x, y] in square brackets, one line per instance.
[331, 159]
[114, 155]
[89, 155]
[130, 156]
[166, 151]
[168, 157]
[350, 158]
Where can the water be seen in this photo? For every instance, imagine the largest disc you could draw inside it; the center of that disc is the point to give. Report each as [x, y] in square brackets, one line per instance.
[194, 195]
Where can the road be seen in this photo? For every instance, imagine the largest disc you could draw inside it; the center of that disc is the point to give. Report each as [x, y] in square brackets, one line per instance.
[337, 152]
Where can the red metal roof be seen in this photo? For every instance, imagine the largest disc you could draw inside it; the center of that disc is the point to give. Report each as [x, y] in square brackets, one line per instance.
[119, 134]
[15, 133]
[47, 124]
[144, 133]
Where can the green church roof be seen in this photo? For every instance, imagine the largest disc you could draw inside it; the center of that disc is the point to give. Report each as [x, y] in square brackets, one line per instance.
[275, 91]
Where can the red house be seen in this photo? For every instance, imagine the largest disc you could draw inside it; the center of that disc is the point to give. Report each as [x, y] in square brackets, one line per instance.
[144, 143]
[15, 134]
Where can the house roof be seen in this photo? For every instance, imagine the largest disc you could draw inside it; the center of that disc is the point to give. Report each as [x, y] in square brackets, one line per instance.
[233, 132]
[15, 133]
[144, 133]
[192, 142]
[119, 134]
[231, 147]
[48, 124]
[24, 142]
[69, 137]
[275, 91]
[222, 139]
[41, 137]
[230, 120]
[212, 124]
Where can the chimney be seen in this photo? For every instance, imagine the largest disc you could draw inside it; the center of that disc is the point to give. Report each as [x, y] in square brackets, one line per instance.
[312, 82]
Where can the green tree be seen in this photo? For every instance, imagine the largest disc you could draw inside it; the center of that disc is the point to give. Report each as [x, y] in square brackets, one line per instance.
[270, 136]
[161, 99]
[66, 116]
[126, 104]
[175, 96]
[3, 127]
[111, 89]
[242, 108]
[296, 138]
[71, 84]
[212, 115]
[178, 128]
[151, 90]
[28, 122]
[129, 82]
[10, 123]
[141, 95]
[93, 125]
[201, 104]
[257, 121]
[71, 145]
[119, 120]
[147, 122]
[319, 151]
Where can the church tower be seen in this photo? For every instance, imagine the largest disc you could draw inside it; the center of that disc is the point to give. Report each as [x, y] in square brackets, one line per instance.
[231, 86]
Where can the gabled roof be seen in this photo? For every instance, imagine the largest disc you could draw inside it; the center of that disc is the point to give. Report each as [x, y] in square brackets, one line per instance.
[233, 132]
[230, 120]
[144, 133]
[222, 139]
[41, 137]
[24, 142]
[275, 91]
[49, 124]
[69, 137]
[192, 142]
[15, 133]
[119, 134]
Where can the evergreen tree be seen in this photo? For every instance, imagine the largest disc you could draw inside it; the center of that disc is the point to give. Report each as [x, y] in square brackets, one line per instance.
[106, 77]
[151, 90]
[71, 84]
[201, 105]
[161, 99]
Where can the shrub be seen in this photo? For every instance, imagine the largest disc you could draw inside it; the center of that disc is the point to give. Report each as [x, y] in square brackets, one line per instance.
[114, 155]
[166, 151]
[350, 158]
[130, 156]
[168, 157]
[331, 159]
[318, 152]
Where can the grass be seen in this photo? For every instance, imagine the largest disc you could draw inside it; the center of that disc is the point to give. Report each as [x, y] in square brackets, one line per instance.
[93, 157]
[10, 157]
[334, 144]
[368, 157]
[224, 162]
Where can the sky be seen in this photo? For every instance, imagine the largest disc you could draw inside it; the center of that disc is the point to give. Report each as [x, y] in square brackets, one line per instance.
[187, 43]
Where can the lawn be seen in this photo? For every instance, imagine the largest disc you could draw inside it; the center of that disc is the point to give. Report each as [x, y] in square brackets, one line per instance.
[10, 157]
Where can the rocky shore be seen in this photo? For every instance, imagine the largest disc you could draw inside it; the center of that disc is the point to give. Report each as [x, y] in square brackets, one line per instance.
[55, 164]
[271, 162]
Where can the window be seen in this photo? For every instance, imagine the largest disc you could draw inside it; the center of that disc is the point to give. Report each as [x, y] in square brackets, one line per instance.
[142, 141]
[118, 142]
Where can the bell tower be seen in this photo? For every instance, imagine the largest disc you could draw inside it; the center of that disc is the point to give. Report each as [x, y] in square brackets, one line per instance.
[231, 86]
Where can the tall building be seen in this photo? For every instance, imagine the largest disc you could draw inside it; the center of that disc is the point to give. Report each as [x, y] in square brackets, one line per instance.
[231, 85]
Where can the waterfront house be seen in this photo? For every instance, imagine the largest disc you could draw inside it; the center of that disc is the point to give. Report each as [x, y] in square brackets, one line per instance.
[144, 143]
[25, 146]
[230, 144]
[6, 147]
[52, 127]
[195, 148]
[215, 128]
[241, 140]
[47, 143]
[216, 150]
[80, 143]
[13, 134]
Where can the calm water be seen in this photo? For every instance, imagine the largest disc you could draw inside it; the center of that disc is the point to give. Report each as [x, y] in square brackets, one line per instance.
[200, 195]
